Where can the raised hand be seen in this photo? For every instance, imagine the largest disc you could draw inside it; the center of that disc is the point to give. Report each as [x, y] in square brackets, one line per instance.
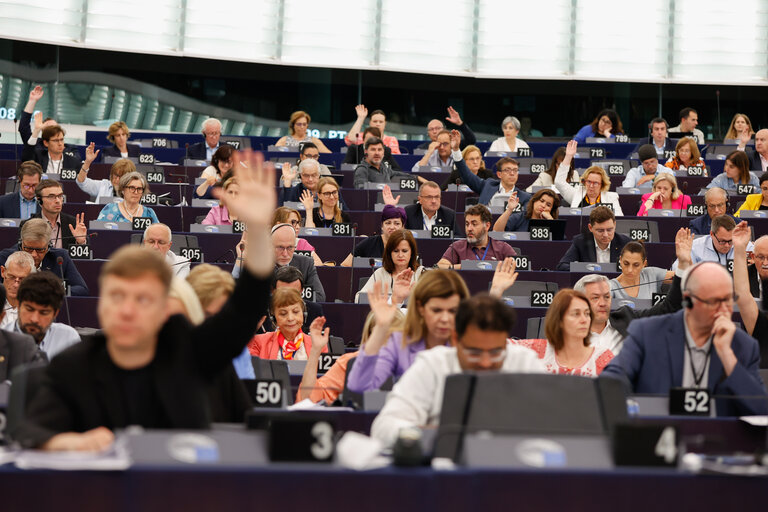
[361, 111]
[38, 121]
[683, 243]
[256, 202]
[308, 200]
[386, 195]
[289, 174]
[378, 298]
[571, 147]
[80, 231]
[455, 140]
[242, 245]
[90, 154]
[319, 335]
[503, 277]
[454, 117]
[36, 93]
[512, 202]
[744, 138]
[401, 287]
[741, 236]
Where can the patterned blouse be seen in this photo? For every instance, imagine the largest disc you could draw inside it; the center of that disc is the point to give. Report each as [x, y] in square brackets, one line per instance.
[591, 368]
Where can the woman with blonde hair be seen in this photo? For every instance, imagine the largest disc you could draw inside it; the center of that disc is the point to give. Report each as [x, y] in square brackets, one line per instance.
[664, 195]
[328, 212]
[118, 135]
[593, 188]
[740, 128]
[475, 163]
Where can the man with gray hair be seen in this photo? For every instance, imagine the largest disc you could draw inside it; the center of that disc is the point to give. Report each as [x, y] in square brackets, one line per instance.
[716, 201]
[435, 126]
[749, 282]
[609, 328]
[158, 237]
[18, 266]
[205, 150]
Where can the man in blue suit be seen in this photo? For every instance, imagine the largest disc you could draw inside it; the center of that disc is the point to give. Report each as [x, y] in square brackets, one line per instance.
[490, 189]
[716, 201]
[22, 204]
[698, 347]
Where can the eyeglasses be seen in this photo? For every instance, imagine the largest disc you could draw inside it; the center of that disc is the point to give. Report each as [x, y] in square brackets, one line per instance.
[430, 198]
[55, 197]
[56, 140]
[716, 303]
[11, 277]
[759, 257]
[285, 248]
[295, 222]
[444, 144]
[28, 186]
[332, 193]
[510, 170]
[38, 250]
[718, 206]
[134, 189]
[475, 355]
[591, 183]
[722, 242]
[313, 157]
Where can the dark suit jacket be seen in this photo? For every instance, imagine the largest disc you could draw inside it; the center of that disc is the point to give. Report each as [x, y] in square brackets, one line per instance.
[415, 219]
[651, 361]
[583, 249]
[134, 150]
[308, 270]
[621, 317]
[293, 194]
[17, 349]
[25, 130]
[356, 154]
[755, 164]
[467, 137]
[66, 234]
[669, 144]
[487, 188]
[67, 271]
[702, 224]
[10, 206]
[197, 151]
[81, 388]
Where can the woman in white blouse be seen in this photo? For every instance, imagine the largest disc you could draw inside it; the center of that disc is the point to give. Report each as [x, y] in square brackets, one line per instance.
[400, 254]
[509, 142]
[593, 188]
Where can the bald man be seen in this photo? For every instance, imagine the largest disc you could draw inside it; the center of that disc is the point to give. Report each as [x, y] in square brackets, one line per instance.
[748, 283]
[435, 126]
[158, 238]
[758, 158]
[698, 347]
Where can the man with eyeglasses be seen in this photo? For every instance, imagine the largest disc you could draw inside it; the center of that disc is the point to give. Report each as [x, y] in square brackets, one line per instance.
[35, 239]
[309, 172]
[438, 154]
[698, 347]
[716, 201]
[749, 282]
[435, 126]
[158, 237]
[18, 266]
[479, 345]
[602, 245]
[22, 204]
[717, 246]
[66, 229]
[204, 150]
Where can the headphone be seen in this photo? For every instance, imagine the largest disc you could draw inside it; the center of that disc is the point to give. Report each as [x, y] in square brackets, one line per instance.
[20, 245]
[274, 322]
[687, 302]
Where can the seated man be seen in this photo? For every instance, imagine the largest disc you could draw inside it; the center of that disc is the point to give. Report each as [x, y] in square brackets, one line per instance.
[356, 152]
[428, 211]
[435, 126]
[478, 245]
[392, 219]
[66, 229]
[689, 120]
[378, 121]
[35, 240]
[758, 158]
[204, 150]
[83, 395]
[35, 95]
[755, 321]
[716, 201]
[699, 347]
[40, 298]
[609, 326]
[22, 204]
[662, 144]
[492, 191]
[16, 349]
[438, 154]
[18, 266]
[479, 344]
[717, 246]
[309, 150]
[649, 167]
[602, 245]
[158, 237]
[309, 172]
[374, 169]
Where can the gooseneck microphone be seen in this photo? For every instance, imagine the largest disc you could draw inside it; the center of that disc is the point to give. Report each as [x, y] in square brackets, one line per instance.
[60, 264]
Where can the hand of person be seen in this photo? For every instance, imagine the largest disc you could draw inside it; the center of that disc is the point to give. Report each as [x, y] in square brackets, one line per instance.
[401, 287]
[386, 195]
[256, 203]
[741, 236]
[361, 111]
[289, 174]
[38, 121]
[571, 147]
[378, 298]
[455, 140]
[261, 322]
[210, 181]
[744, 138]
[36, 93]
[94, 440]
[308, 200]
[454, 117]
[80, 231]
[607, 133]
[503, 277]
[547, 215]
[90, 154]
[432, 147]
[242, 245]
[512, 202]
[683, 243]
[722, 331]
[655, 196]
[645, 179]
[319, 335]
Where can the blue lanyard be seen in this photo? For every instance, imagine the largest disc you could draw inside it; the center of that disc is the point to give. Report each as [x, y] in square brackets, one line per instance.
[325, 221]
[486, 251]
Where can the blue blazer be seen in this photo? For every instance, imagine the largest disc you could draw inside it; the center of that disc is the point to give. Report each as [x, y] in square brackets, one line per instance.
[67, 271]
[487, 188]
[702, 224]
[651, 361]
[10, 206]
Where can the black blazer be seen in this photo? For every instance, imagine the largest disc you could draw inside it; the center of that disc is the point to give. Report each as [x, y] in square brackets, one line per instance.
[134, 150]
[621, 317]
[17, 349]
[66, 234]
[755, 164]
[356, 154]
[415, 219]
[583, 249]
[81, 389]
[197, 151]
[10, 206]
[67, 271]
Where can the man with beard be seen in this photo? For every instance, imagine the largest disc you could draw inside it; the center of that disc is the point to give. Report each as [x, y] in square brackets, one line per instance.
[478, 245]
[373, 169]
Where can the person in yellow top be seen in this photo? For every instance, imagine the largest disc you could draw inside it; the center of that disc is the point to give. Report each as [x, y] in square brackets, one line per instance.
[756, 201]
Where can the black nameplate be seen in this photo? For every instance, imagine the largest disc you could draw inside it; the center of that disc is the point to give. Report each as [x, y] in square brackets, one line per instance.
[695, 170]
[640, 234]
[325, 362]
[622, 137]
[147, 158]
[307, 293]
[744, 189]
[616, 169]
[408, 184]
[141, 223]
[538, 168]
[341, 229]
[523, 152]
[441, 232]
[694, 210]
[238, 226]
[657, 298]
[193, 254]
[68, 174]
[268, 393]
[80, 252]
[522, 263]
[669, 154]
[301, 438]
[149, 199]
[644, 445]
[540, 233]
[308, 254]
[689, 402]
[607, 205]
[729, 265]
[234, 143]
[596, 152]
[541, 298]
[158, 142]
[155, 177]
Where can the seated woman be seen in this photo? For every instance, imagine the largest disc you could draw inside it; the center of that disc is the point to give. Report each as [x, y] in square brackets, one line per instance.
[735, 173]
[212, 285]
[567, 350]
[328, 212]
[285, 215]
[298, 126]
[400, 255]
[219, 215]
[221, 163]
[543, 205]
[664, 196]
[607, 124]
[547, 178]
[740, 129]
[474, 159]
[131, 188]
[686, 155]
[637, 280]
[392, 219]
[105, 188]
[118, 135]
[593, 188]
[287, 341]
[509, 142]
[757, 201]
[429, 322]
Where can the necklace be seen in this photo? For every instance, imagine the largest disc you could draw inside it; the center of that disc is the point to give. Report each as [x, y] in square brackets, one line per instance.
[135, 211]
[582, 361]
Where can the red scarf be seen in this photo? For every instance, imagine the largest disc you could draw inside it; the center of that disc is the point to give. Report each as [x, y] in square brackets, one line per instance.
[288, 348]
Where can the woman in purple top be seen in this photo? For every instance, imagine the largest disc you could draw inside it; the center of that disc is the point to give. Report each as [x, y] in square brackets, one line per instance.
[429, 322]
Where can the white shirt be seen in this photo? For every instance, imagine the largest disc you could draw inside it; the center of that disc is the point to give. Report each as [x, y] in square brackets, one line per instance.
[603, 256]
[9, 320]
[179, 265]
[428, 223]
[96, 188]
[501, 196]
[417, 398]
[54, 166]
[501, 144]
[57, 338]
[610, 338]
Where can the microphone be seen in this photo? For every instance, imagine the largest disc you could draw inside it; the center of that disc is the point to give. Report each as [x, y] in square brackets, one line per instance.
[684, 188]
[186, 153]
[637, 285]
[352, 276]
[228, 251]
[60, 264]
